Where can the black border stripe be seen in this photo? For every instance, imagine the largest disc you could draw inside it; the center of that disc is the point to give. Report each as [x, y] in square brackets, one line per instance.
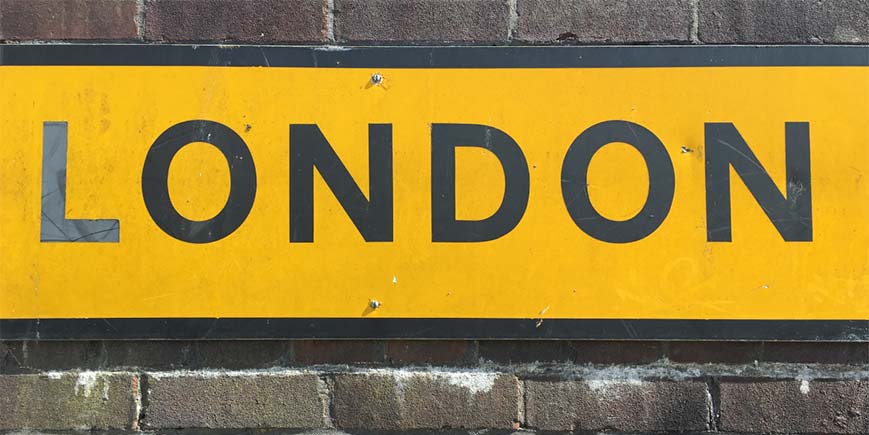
[433, 57]
[457, 328]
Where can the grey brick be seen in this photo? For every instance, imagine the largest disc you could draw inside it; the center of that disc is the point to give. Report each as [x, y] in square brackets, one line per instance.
[618, 405]
[603, 21]
[795, 406]
[404, 400]
[253, 399]
[71, 401]
[421, 20]
[249, 21]
[68, 19]
[784, 21]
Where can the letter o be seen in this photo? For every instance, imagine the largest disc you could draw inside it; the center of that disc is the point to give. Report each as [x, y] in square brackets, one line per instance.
[574, 182]
[155, 188]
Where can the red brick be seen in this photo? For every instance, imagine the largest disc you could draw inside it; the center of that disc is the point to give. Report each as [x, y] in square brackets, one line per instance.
[616, 352]
[525, 351]
[784, 21]
[249, 21]
[456, 352]
[816, 353]
[68, 20]
[701, 352]
[339, 352]
[421, 20]
[603, 21]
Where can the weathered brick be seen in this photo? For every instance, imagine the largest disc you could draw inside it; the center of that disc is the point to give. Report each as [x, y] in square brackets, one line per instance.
[616, 352]
[816, 353]
[603, 21]
[783, 21]
[254, 399]
[404, 400]
[68, 20]
[11, 357]
[794, 406]
[617, 405]
[339, 352]
[583, 352]
[421, 21]
[71, 401]
[453, 352]
[249, 21]
[521, 351]
[235, 354]
[62, 355]
[701, 352]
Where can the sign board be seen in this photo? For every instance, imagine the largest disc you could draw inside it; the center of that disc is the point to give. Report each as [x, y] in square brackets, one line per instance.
[549, 192]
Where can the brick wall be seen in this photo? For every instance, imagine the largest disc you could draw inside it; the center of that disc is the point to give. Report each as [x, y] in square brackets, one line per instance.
[439, 21]
[436, 386]
[393, 386]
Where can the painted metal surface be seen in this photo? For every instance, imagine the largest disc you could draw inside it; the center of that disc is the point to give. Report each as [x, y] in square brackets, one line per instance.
[652, 193]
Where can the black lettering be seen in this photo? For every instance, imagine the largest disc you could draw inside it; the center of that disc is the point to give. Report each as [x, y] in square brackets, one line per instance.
[444, 140]
[55, 227]
[155, 189]
[574, 182]
[791, 215]
[372, 217]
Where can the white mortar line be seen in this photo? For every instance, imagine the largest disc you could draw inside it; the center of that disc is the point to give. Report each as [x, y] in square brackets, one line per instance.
[512, 18]
[627, 373]
[695, 22]
[324, 390]
[330, 21]
[137, 401]
[710, 405]
[522, 403]
[139, 19]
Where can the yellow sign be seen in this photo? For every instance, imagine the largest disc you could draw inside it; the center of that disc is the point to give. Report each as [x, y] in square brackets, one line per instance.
[698, 192]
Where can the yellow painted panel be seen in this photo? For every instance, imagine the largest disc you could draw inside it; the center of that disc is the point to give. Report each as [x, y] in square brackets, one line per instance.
[545, 267]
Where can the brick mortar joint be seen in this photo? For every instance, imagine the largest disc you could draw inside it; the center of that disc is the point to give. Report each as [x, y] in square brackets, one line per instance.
[329, 21]
[522, 404]
[713, 392]
[512, 19]
[136, 385]
[694, 31]
[659, 371]
[139, 19]
[325, 389]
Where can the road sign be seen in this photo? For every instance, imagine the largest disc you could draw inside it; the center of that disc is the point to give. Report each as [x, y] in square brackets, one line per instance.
[549, 192]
